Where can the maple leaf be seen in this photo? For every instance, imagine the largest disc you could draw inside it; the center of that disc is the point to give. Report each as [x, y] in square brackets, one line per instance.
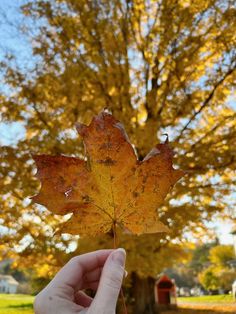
[111, 187]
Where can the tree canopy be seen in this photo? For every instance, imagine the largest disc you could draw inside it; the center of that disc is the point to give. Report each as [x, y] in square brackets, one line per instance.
[159, 66]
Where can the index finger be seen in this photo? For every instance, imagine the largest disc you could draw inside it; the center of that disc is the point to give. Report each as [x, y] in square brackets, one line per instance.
[72, 273]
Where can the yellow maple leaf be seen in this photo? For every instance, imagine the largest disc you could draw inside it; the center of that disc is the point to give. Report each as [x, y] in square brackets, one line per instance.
[111, 187]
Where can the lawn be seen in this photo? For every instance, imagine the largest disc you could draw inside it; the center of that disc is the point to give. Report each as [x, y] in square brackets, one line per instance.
[211, 304]
[23, 304]
[224, 298]
[16, 304]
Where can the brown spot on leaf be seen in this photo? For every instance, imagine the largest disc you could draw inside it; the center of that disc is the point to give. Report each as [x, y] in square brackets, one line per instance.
[135, 194]
[86, 199]
[107, 162]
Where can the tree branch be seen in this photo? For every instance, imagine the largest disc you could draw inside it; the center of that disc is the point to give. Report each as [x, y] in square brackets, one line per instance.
[211, 131]
[41, 118]
[206, 102]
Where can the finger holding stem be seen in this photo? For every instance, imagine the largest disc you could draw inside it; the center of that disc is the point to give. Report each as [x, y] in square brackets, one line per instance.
[115, 247]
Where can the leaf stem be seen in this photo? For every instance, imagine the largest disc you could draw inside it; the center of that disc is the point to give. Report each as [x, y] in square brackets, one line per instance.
[114, 235]
[115, 247]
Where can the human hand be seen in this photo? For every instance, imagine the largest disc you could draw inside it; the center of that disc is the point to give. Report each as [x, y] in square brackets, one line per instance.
[100, 270]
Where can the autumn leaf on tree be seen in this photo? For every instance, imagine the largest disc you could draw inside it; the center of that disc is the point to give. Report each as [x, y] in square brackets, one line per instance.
[110, 187]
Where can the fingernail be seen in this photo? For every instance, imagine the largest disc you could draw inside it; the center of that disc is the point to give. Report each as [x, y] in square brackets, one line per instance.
[119, 256]
[125, 273]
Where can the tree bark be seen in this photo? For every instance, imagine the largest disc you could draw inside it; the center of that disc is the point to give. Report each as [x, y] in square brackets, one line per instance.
[143, 295]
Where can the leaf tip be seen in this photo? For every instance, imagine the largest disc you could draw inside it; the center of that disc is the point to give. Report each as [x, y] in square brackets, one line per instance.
[81, 128]
[36, 198]
[167, 138]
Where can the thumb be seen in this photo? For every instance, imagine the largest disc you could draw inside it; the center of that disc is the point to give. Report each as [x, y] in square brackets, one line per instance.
[110, 283]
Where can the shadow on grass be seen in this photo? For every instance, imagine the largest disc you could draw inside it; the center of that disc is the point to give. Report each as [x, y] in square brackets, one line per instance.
[21, 306]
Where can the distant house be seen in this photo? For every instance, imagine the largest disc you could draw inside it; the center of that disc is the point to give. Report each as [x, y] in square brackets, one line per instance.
[8, 284]
[234, 289]
[233, 232]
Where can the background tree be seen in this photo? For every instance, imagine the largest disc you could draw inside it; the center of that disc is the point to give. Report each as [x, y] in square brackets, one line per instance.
[185, 273]
[221, 255]
[200, 256]
[219, 274]
[209, 279]
[159, 66]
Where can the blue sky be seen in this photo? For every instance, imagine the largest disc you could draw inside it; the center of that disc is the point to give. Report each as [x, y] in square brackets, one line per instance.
[11, 133]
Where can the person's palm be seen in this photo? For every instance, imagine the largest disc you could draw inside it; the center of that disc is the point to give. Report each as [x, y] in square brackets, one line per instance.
[102, 271]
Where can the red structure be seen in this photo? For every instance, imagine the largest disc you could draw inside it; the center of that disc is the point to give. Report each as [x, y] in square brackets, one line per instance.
[165, 291]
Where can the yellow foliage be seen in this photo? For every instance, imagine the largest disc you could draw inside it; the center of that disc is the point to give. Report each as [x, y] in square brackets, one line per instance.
[159, 66]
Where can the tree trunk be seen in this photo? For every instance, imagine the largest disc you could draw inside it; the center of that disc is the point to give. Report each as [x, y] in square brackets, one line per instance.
[143, 295]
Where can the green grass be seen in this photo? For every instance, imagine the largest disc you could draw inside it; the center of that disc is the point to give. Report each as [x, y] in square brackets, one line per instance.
[23, 304]
[225, 298]
[16, 304]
